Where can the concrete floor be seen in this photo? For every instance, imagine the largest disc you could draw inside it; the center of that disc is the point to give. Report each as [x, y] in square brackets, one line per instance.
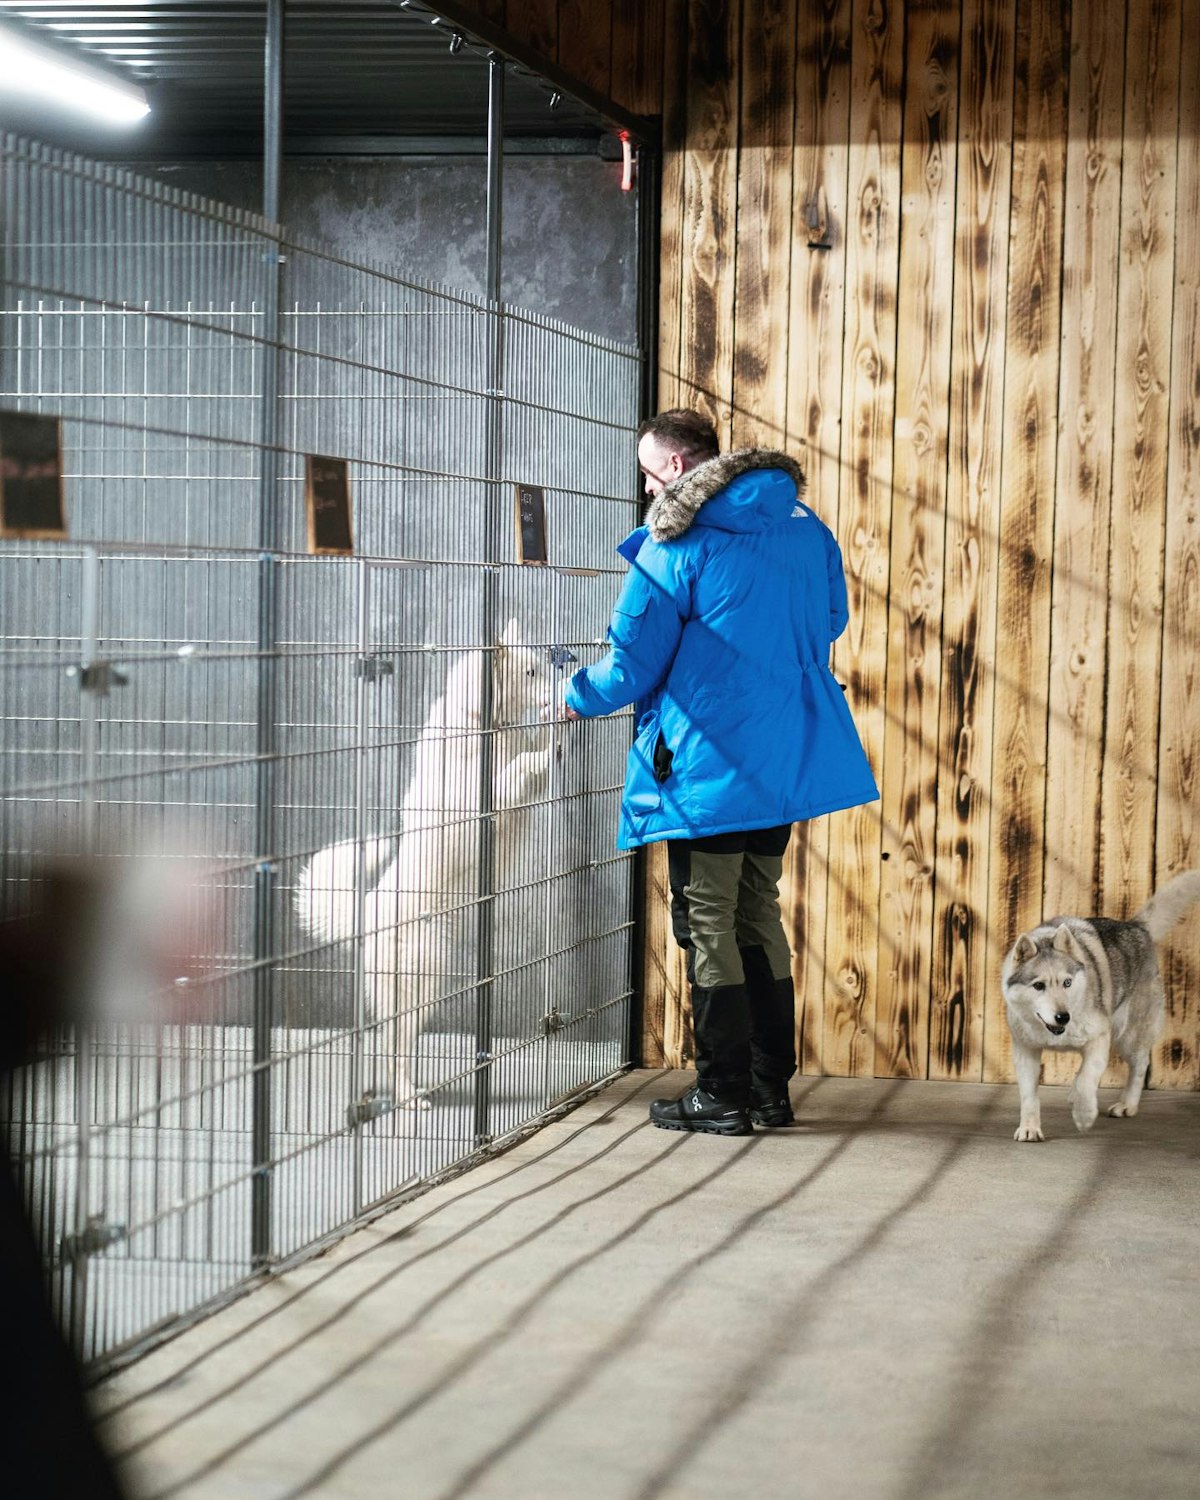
[891, 1299]
[184, 1166]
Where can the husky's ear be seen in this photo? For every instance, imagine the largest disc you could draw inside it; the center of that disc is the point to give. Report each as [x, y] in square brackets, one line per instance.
[1024, 949]
[511, 636]
[1064, 942]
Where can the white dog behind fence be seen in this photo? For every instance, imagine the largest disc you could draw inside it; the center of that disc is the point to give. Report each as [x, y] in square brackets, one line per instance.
[431, 867]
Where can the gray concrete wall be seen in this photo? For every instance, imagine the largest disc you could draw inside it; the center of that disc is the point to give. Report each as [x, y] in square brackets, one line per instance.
[570, 233]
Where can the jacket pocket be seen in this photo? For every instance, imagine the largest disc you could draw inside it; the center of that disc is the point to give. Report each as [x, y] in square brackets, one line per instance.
[626, 624]
[643, 784]
[663, 759]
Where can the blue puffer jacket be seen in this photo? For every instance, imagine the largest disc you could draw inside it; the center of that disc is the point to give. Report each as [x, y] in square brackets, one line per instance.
[721, 636]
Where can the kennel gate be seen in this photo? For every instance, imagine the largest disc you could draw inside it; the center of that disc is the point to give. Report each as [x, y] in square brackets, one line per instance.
[167, 1159]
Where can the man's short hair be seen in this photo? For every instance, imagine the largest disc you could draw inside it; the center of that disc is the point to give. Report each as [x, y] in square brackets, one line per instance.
[688, 433]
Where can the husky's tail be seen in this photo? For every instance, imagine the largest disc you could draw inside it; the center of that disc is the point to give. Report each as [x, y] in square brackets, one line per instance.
[325, 899]
[1170, 904]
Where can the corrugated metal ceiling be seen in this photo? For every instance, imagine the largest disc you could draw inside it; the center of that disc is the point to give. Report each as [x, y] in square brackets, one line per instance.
[359, 74]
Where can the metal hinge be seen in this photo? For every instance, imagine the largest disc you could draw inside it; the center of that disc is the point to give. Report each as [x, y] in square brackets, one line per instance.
[372, 668]
[368, 1108]
[92, 1239]
[98, 676]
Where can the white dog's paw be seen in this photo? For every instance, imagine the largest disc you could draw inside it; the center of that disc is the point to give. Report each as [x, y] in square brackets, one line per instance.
[523, 779]
[1084, 1112]
[1028, 1130]
[413, 1102]
[537, 762]
[1122, 1111]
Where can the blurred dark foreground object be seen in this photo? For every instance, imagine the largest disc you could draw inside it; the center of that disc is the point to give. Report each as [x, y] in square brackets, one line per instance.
[38, 966]
[49, 1446]
[101, 941]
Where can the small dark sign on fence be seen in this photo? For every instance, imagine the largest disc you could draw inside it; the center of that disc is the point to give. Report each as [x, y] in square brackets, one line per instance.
[327, 501]
[531, 523]
[31, 488]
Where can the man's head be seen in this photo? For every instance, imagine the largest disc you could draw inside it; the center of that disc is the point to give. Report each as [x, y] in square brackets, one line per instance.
[671, 444]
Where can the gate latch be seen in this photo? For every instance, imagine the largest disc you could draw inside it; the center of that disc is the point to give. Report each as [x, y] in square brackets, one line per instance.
[368, 1108]
[95, 1236]
[553, 1022]
[98, 677]
[372, 668]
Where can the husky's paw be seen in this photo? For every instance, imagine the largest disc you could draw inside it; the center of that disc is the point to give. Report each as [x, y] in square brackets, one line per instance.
[1084, 1112]
[1028, 1131]
[1122, 1111]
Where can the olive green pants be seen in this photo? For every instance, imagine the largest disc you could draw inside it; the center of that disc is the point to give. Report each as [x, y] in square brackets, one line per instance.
[725, 897]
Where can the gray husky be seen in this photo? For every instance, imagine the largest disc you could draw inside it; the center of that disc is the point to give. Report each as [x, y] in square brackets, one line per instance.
[1081, 984]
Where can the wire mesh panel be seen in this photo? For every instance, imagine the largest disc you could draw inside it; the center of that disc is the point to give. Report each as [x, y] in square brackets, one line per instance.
[406, 932]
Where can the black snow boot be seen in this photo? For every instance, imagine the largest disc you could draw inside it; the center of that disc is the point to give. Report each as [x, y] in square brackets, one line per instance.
[718, 1103]
[770, 1105]
[702, 1111]
[772, 1004]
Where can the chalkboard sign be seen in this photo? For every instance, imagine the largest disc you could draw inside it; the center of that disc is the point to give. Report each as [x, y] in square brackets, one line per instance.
[31, 488]
[531, 523]
[327, 500]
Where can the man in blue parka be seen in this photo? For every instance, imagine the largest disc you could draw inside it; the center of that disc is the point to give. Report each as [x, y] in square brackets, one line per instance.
[721, 637]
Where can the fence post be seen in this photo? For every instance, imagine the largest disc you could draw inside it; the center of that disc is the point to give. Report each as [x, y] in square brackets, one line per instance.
[265, 869]
[359, 996]
[85, 1056]
[649, 220]
[485, 945]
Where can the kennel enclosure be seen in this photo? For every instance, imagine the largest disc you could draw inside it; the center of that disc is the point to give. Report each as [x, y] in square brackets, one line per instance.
[183, 679]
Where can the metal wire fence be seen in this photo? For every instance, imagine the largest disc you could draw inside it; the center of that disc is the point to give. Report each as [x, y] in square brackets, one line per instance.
[409, 933]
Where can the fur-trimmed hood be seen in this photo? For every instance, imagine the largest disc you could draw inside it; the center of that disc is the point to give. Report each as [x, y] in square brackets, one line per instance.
[673, 511]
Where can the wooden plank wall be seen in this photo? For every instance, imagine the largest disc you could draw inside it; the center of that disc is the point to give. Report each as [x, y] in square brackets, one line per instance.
[613, 46]
[948, 253]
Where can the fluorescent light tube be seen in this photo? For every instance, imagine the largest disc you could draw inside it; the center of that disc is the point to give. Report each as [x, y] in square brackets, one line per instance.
[27, 67]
